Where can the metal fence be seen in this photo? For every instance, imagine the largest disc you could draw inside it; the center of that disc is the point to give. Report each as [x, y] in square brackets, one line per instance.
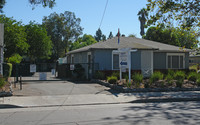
[77, 70]
[43, 71]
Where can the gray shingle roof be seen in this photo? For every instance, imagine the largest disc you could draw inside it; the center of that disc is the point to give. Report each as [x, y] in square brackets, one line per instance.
[130, 42]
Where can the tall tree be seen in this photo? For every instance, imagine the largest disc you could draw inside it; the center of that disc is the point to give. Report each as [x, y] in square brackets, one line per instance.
[143, 15]
[131, 35]
[185, 13]
[98, 35]
[44, 3]
[14, 37]
[103, 37]
[63, 28]
[40, 43]
[110, 35]
[83, 41]
[2, 3]
[174, 36]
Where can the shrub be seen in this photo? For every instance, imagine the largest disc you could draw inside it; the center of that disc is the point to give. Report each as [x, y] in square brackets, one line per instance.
[2, 82]
[7, 70]
[169, 79]
[126, 77]
[116, 74]
[198, 81]
[179, 83]
[146, 85]
[128, 84]
[171, 72]
[192, 76]
[112, 79]
[179, 75]
[99, 75]
[156, 76]
[137, 78]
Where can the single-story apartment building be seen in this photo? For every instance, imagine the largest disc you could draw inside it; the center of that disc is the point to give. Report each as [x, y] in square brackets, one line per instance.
[150, 55]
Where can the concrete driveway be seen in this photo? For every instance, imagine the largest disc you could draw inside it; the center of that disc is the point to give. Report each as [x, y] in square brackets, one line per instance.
[50, 88]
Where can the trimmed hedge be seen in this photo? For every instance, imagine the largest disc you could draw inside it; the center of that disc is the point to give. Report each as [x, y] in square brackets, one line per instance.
[7, 70]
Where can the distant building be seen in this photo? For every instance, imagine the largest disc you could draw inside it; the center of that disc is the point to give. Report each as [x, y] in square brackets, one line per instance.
[1, 47]
[194, 59]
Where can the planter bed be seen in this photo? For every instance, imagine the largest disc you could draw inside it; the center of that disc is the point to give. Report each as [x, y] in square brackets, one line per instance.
[187, 86]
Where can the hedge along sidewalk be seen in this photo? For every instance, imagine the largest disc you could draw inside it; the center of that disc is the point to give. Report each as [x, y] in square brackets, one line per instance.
[129, 90]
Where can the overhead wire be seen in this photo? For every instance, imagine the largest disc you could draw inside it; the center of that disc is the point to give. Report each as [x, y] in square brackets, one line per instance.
[103, 14]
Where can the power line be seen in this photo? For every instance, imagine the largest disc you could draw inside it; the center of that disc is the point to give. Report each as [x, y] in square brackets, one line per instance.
[103, 13]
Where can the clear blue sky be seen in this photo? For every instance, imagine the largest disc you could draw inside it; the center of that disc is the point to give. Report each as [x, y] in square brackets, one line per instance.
[119, 14]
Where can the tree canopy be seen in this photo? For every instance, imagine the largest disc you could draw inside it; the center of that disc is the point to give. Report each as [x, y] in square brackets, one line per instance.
[44, 3]
[110, 35]
[173, 36]
[40, 43]
[131, 35]
[14, 37]
[184, 13]
[83, 41]
[63, 28]
[99, 35]
[2, 3]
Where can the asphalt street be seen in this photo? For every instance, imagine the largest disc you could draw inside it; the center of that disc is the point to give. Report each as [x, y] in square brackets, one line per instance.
[70, 103]
[174, 113]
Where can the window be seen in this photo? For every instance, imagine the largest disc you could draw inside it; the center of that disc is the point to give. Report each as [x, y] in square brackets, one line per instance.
[115, 61]
[175, 61]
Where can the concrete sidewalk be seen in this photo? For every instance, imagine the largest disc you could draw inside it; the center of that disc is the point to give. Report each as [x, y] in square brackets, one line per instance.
[95, 99]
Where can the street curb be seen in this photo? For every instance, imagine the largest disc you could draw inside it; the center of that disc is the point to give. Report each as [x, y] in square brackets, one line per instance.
[159, 100]
[147, 100]
[5, 94]
[129, 90]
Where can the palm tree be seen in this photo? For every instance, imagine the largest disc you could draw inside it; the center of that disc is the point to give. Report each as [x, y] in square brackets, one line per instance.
[143, 15]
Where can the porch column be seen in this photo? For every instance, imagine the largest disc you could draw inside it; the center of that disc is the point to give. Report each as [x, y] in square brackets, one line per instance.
[147, 63]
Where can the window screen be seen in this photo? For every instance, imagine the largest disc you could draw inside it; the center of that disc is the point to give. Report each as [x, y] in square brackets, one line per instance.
[181, 62]
[175, 61]
[169, 61]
